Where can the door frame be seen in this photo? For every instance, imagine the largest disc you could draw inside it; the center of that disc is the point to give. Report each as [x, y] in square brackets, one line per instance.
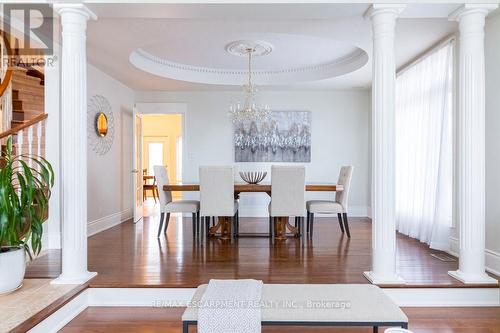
[170, 108]
[137, 167]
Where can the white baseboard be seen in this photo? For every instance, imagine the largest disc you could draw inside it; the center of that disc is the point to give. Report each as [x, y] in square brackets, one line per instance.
[106, 222]
[492, 258]
[492, 262]
[176, 297]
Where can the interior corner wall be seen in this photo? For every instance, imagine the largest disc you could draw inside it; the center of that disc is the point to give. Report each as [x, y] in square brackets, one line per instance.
[492, 57]
[340, 135]
[109, 183]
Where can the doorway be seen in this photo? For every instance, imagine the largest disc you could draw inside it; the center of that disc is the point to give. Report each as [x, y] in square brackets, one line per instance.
[162, 145]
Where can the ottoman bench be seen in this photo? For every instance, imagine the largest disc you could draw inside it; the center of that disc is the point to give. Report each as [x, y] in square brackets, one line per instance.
[318, 305]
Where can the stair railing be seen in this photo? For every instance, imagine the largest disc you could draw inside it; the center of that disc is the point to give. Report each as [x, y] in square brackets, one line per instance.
[28, 137]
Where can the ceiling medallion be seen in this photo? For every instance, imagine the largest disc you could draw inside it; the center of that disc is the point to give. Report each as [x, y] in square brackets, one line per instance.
[249, 110]
[240, 48]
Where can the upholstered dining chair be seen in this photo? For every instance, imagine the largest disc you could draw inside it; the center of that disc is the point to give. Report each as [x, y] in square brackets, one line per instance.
[287, 194]
[217, 194]
[337, 206]
[167, 206]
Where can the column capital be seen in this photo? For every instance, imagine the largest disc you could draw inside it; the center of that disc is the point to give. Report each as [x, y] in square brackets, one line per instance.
[377, 8]
[75, 8]
[466, 9]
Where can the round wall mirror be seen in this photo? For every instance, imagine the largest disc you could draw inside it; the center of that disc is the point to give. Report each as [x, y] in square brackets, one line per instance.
[102, 124]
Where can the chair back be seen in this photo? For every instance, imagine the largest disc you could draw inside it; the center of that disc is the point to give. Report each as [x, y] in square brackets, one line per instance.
[216, 191]
[288, 186]
[161, 177]
[342, 197]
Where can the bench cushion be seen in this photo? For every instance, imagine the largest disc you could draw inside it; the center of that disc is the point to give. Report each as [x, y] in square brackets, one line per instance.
[353, 303]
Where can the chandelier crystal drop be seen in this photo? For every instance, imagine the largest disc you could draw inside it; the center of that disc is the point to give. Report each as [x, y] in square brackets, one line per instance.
[249, 109]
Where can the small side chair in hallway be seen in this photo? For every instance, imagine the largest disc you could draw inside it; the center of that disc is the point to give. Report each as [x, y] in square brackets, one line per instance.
[339, 206]
[167, 206]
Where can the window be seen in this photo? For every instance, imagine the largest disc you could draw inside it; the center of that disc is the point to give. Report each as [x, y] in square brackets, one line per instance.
[179, 158]
[424, 146]
[155, 155]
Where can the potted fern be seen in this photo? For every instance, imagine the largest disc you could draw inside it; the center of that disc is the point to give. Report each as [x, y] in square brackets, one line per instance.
[25, 183]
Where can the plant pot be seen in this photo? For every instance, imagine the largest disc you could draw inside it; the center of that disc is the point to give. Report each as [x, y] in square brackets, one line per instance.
[12, 268]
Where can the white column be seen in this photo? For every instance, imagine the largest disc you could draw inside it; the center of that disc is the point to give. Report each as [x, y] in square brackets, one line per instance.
[74, 19]
[471, 144]
[383, 18]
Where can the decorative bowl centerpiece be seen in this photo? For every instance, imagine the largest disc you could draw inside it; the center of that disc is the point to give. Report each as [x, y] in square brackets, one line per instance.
[252, 177]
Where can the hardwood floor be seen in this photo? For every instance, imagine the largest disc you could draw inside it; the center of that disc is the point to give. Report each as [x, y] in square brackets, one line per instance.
[130, 255]
[167, 320]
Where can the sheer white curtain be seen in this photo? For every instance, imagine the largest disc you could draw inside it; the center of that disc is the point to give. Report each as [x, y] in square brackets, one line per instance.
[424, 148]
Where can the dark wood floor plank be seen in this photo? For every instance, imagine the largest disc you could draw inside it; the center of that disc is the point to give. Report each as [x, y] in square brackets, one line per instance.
[167, 320]
[130, 255]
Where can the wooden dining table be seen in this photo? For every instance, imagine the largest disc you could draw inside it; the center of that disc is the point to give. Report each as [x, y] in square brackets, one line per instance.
[281, 223]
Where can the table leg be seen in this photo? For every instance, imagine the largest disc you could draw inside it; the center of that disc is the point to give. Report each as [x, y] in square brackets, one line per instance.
[375, 329]
[280, 223]
[293, 230]
[224, 224]
[213, 229]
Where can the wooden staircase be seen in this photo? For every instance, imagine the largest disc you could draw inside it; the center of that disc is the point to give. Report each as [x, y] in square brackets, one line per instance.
[27, 95]
[22, 95]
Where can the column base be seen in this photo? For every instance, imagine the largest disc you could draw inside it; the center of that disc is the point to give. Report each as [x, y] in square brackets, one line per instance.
[80, 279]
[473, 278]
[377, 279]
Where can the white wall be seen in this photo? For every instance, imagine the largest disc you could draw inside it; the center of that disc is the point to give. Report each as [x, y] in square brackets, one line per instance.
[492, 53]
[340, 136]
[52, 227]
[109, 176]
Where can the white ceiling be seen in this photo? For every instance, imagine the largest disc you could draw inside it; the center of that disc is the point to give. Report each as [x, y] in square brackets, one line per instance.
[302, 35]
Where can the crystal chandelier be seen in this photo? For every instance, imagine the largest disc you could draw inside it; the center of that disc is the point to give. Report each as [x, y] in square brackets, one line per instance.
[249, 109]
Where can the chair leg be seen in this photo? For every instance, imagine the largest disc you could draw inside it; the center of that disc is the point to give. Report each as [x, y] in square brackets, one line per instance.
[308, 221]
[339, 216]
[162, 216]
[237, 223]
[194, 224]
[166, 223]
[300, 220]
[197, 221]
[346, 225]
[270, 227]
[311, 227]
[207, 225]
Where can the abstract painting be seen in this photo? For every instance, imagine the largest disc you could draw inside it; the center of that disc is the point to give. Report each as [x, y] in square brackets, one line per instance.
[284, 137]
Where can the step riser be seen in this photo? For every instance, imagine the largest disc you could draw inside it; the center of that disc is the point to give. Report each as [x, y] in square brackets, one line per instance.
[20, 85]
[24, 78]
[23, 94]
[21, 115]
[27, 105]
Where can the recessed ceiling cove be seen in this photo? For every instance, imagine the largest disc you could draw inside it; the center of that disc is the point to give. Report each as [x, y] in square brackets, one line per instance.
[279, 58]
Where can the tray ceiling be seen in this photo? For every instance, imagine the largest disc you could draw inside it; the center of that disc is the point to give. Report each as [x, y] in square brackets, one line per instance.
[317, 46]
